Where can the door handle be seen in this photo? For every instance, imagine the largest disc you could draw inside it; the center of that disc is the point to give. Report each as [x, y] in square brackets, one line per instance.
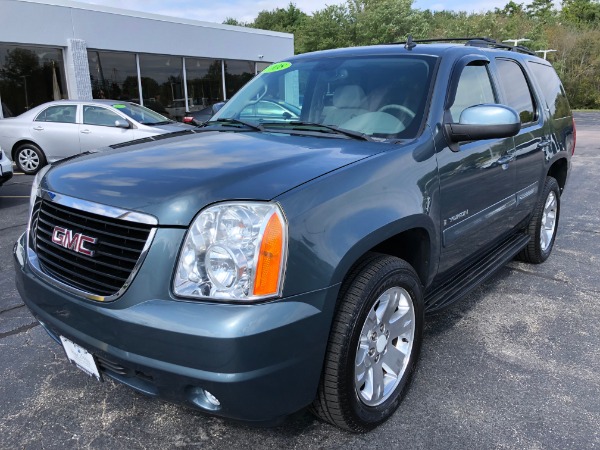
[506, 159]
[86, 131]
[38, 128]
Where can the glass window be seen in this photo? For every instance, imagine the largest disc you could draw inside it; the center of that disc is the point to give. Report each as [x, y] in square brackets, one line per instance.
[516, 89]
[380, 96]
[552, 88]
[204, 82]
[260, 66]
[96, 115]
[141, 114]
[237, 74]
[62, 114]
[474, 88]
[113, 75]
[162, 84]
[30, 76]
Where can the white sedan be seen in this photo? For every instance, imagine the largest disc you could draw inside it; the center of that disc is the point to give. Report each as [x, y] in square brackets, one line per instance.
[55, 130]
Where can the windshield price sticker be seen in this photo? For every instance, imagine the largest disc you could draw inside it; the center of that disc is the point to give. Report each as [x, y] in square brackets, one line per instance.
[277, 67]
[119, 106]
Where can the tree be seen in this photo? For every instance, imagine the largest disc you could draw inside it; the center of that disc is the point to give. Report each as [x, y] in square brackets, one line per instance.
[285, 20]
[581, 12]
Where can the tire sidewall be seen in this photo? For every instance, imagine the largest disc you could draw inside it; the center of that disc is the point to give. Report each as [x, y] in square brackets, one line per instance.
[550, 186]
[375, 415]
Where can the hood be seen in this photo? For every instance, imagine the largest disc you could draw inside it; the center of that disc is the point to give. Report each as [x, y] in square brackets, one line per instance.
[174, 178]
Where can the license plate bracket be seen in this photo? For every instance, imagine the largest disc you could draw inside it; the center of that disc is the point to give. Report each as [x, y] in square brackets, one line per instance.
[82, 359]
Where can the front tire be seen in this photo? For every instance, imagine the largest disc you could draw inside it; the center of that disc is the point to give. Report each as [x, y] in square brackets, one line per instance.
[543, 225]
[373, 345]
[30, 158]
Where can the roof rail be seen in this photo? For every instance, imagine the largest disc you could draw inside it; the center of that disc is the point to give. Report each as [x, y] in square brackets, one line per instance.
[486, 42]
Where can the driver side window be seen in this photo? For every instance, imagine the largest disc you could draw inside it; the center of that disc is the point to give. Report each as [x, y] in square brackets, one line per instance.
[474, 88]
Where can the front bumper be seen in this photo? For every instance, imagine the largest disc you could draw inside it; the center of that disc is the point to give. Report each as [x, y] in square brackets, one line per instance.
[6, 171]
[262, 362]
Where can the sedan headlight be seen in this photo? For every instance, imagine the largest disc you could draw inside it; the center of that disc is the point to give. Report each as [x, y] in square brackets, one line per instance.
[233, 251]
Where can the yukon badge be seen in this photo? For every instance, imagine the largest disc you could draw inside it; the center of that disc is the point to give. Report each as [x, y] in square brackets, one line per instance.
[76, 242]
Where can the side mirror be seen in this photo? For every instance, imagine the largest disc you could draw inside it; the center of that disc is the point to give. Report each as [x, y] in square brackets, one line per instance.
[122, 123]
[484, 122]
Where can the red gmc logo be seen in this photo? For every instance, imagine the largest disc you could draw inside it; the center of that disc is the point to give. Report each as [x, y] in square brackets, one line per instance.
[76, 242]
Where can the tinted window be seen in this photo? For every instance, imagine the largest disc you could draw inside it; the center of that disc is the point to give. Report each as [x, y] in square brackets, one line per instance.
[552, 89]
[474, 88]
[162, 84]
[516, 89]
[62, 114]
[113, 75]
[94, 115]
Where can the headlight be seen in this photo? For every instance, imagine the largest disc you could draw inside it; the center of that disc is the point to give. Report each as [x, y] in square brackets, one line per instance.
[233, 251]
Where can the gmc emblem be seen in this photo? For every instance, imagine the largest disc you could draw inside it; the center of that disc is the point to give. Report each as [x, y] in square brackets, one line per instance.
[65, 238]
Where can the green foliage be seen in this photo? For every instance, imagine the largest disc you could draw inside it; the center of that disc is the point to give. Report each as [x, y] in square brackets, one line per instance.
[574, 31]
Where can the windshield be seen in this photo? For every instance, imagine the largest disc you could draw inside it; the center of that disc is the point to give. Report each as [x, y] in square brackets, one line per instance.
[376, 96]
[141, 114]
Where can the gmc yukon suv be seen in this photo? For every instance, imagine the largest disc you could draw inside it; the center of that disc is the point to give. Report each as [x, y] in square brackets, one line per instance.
[266, 262]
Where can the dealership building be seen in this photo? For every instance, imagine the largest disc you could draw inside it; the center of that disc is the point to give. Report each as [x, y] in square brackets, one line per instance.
[60, 49]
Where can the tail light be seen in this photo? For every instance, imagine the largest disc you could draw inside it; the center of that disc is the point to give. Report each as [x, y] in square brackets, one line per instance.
[574, 137]
[188, 119]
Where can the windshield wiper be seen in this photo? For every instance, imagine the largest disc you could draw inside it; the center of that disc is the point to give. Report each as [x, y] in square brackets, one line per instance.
[164, 122]
[230, 120]
[294, 124]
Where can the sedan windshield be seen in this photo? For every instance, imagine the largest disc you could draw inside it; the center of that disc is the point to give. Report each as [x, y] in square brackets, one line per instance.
[374, 96]
[141, 114]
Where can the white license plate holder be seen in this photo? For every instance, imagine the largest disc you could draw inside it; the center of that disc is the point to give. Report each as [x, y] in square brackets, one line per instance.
[83, 359]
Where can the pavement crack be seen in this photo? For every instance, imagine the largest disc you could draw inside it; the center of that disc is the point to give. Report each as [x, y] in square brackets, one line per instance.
[19, 330]
[539, 275]
[12, 309]
[19, 225]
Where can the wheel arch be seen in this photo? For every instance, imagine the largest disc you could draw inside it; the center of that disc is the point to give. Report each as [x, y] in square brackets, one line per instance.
[410, 239]
[559, 171]
[17, 144]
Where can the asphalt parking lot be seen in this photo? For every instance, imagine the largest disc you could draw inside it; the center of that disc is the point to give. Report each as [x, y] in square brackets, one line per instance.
[516, 364]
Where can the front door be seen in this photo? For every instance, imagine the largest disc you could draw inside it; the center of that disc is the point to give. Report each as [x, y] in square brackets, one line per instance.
[477, 179]
[98, 128]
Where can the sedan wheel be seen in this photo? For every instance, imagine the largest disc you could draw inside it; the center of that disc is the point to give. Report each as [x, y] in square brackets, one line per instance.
[30, 158]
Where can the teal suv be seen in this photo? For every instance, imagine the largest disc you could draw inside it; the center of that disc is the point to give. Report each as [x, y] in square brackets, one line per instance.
[277, 259]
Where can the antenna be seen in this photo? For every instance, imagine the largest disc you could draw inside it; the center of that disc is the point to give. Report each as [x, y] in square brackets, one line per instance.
[410, 44]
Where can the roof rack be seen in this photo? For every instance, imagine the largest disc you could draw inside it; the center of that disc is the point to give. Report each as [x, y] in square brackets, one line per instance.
[486, 42]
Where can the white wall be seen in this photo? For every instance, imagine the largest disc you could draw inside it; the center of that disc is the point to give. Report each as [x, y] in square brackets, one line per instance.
[53, 22]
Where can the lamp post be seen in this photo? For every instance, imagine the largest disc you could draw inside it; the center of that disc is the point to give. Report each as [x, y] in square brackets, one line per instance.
[545, 52]
[516, 41]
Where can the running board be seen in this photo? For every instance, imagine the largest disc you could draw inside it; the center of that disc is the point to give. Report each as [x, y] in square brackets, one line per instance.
[466, 280]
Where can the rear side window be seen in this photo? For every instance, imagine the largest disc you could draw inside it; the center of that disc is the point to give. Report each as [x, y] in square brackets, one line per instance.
[62, 114]
[552, 88]
[516, 89]
[474, 88]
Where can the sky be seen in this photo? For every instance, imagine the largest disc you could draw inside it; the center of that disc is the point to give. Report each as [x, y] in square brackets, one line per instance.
[246, 10]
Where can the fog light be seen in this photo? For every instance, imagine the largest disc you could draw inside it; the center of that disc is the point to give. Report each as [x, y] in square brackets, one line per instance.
[212, 399]
[203, 399]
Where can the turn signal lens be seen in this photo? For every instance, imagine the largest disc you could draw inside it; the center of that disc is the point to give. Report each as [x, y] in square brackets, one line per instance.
[270, 257]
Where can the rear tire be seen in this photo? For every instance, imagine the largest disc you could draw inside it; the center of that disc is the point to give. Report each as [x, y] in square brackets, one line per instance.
[29, 158]
[543, 225]
[373, 345]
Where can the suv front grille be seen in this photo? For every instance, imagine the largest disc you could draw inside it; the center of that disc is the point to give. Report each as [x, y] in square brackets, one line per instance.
[118, 248]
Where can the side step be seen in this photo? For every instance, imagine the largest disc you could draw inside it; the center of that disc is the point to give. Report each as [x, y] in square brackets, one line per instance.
[455, 287]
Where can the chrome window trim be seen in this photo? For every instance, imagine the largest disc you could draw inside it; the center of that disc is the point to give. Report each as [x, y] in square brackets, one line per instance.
[94, 208]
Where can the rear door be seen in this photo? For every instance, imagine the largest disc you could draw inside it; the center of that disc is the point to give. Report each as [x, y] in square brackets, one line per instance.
[55, 130]
[98, 128]
[477, 180]
[533, 141]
